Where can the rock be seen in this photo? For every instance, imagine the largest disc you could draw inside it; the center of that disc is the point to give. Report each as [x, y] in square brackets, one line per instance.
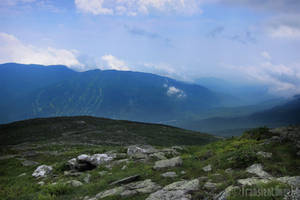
[294, 194]
[182, 172]
[102, 173]
[207, 168]
[178, 148]
[124, 167]
[23, 174]
[257, 169]
[111, 192]
[98, 159]
[169, 175]
[293, 181]
[133, 150]
[42, 171]
[210, 186]
[126, 180]
[41, 183]
[264, 154]
[252, 181]
[226, 193]
[75, 183]
[173, 162]
[85, 162]
[158, 155]
[87, 178]
[146, 186]
[117, 155]
[176, 191]
[27, 163]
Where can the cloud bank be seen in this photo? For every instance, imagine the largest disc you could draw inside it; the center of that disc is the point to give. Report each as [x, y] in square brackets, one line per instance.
[13, 50]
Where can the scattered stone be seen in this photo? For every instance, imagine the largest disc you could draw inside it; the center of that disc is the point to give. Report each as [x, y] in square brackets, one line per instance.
[210, 186]
[126, 180]
[85, 162]
[134, 150]
[87, 178]
[27, 163]
[146, 186]
[23, 174]
[173, 162]
[41, 183]
[226, 193]
[293, 181]
[42, 171]
[252, 181]
[207, 168]
[124, 167]
[169, 175]
[264, 154]
[75, 183]
[182, 172]
[178, 148]
[158, 155]
[257, 169]
[176, 191]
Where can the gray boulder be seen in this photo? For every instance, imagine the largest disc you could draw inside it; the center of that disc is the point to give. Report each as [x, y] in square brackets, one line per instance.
[176, 191]
[253, 181]
[42, 171]
[169, 175]
[226, 193]
[207, 168]
[293, 181]
[74, 183]
[257, 169]
[173, 162]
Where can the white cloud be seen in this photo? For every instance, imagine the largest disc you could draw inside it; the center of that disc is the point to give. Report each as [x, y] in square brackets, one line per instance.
[13, 50]
[135, 7]
[282, 80]
[114, 63]
[93, 6]
[173, 91]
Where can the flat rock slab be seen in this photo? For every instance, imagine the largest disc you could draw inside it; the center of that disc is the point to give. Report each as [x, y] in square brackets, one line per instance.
[173, 162]
[257, 169]
[126, 180]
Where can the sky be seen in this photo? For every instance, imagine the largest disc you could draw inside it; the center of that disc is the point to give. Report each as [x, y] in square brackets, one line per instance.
[245, 41]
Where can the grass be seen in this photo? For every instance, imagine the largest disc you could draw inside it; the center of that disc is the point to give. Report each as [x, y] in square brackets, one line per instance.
[236, 153]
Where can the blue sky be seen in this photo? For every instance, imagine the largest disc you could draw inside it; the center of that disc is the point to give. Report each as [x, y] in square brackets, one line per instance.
[241, 40]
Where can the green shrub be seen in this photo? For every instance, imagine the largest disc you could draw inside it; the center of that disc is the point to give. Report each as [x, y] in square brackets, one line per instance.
[57, 189]
[257, 134]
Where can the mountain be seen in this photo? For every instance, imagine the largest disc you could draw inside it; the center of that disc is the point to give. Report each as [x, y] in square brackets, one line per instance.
[97, 131]
[281, 115]
[247, 94]
[30, 91]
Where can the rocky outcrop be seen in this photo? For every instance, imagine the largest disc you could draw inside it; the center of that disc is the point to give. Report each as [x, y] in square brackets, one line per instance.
[86, 162]
[226, 193]
[207, 168]
[143, 187]
[173, 162]
[42, 171]
[293, 181]
[264, 154]
[169, 175]
[252, 181]
[176, 191]
[257, 169]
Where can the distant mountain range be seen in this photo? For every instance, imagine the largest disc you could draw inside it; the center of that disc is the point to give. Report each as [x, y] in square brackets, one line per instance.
[29, 91]
[32, 91]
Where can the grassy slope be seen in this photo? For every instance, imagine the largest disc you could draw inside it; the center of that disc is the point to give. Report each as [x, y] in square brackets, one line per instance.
[93, 130]
[240, 150]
